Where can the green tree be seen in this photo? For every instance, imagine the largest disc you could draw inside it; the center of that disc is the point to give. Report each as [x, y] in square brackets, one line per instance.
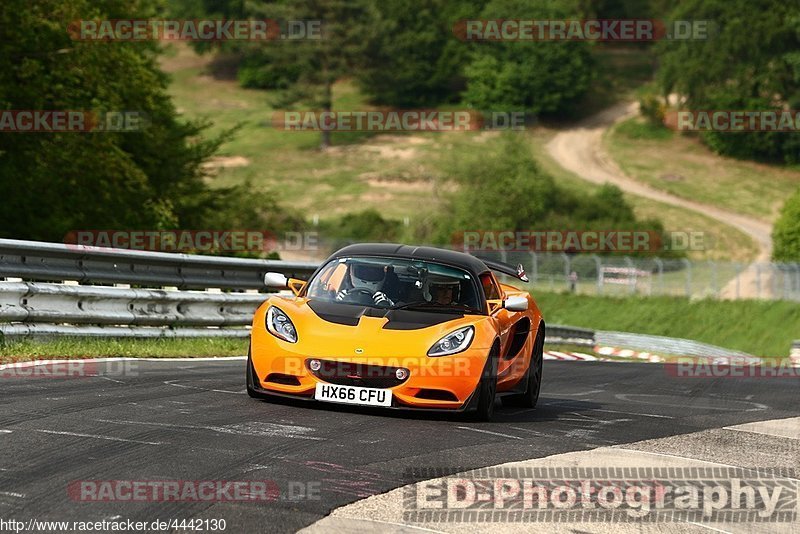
[326, 60]
[786, 232]
[536, 77]
[52, 183]
[506, 190]
[412, 58]
[752, 63]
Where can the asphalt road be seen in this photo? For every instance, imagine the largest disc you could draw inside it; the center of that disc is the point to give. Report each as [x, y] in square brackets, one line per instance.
[186, 420]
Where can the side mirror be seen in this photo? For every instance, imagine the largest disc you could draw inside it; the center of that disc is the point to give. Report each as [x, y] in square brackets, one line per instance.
[276, 280]
[516, 304]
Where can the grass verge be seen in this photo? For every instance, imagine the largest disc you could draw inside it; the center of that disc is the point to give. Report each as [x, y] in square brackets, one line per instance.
[683, 166]
[73, 348]
[760, 328]
[723, 242]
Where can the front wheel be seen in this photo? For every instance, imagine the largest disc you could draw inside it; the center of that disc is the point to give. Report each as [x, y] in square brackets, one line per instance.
[250, 380]
[534, 383]
[487, 388]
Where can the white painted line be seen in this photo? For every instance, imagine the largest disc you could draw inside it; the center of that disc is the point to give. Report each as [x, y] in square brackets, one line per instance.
[634, 413]
[627, 398]
[173, 383]
[614, 411]
[110, 379]
[6, 431]
[581, 394]
[489, 432]
[13, 494]
[534, 432]
[107, 438]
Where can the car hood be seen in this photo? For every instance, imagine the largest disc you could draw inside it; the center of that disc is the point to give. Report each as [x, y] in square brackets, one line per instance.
[351, 315]
[324, 327]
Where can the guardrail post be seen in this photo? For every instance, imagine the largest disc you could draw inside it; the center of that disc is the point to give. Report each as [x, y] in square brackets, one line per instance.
[786, 282]
[738, 279]
[688, 265]
[534, 267]
[758, 280]
[714, 284]
[660, 265]
[632, 267]
[599, 267]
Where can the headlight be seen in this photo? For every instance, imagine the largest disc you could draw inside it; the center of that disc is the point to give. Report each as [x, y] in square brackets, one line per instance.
[453, 342]
[279, 325]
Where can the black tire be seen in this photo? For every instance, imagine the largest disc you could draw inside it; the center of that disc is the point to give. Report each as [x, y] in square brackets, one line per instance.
[487, 388]
[534, 381]
[250, 379]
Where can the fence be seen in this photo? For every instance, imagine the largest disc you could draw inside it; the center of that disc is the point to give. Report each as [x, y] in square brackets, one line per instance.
[591, 274]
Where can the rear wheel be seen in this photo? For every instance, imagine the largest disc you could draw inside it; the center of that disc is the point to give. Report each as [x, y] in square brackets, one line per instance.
[487, 388]
[530, 397]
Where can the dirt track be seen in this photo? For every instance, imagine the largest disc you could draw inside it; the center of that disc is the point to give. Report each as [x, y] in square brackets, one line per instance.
[580, 150]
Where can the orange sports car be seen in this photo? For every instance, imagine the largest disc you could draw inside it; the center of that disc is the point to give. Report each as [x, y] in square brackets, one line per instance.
[398, 326]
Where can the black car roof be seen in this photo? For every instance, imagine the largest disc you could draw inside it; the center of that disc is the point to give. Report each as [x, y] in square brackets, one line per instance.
[450, 257]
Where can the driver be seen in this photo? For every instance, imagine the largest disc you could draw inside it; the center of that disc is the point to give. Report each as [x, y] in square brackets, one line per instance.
[444, 291]
[368, 279]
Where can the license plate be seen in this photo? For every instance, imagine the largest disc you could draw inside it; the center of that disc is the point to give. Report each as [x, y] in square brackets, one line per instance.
[353, 395]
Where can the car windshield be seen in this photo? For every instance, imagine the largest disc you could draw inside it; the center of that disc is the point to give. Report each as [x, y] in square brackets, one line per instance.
[395, 283]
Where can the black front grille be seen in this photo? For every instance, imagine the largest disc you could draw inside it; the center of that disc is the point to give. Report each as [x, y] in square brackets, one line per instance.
[278, 378]
[436, 394]
[357, 374]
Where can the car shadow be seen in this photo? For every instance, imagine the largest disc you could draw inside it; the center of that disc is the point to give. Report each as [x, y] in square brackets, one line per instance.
[547, 409]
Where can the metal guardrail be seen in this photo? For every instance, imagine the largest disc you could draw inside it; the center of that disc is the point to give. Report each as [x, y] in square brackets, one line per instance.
[30, 302]
[15, 332]
[55, 262]
[665, 345]
[569, 335]
[55, 296]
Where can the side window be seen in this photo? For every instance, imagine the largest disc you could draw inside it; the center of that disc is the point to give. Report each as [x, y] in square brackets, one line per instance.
[331, 280]
[335, 282]
[489, 287]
